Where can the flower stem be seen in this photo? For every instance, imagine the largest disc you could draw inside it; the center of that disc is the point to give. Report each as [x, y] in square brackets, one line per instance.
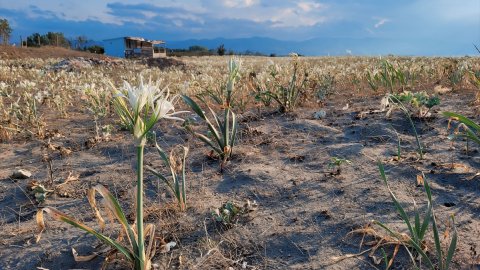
[140, 241]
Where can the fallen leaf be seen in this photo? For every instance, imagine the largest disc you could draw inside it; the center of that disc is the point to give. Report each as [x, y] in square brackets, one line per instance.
[420, 181]
[79, 258]
[473, 177]
[167, 247]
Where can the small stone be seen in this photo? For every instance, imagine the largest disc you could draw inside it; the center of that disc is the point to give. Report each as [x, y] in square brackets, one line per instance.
[21, 174]
[320, 114]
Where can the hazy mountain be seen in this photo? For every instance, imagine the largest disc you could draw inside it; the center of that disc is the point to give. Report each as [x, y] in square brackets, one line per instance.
[332, 46]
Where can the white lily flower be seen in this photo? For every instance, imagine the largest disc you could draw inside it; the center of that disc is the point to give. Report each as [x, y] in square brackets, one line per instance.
[148, 102]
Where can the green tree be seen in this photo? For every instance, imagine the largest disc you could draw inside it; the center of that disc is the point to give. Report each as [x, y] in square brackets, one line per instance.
[81, 41]
[197, 48]
[221, 50]
[96, 49]
[37, 40]
[5, 31]
[51, 38]
[57, 39]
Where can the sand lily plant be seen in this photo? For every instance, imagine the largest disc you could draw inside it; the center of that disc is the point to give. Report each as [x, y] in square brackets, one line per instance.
[223, 130]
[388, 76]
[139, 108]
[392, 101]
[176, 165]
[466, 128]
[288, 96]
[418, 229]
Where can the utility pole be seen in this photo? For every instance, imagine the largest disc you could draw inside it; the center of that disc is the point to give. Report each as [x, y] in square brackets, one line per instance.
[39, 41]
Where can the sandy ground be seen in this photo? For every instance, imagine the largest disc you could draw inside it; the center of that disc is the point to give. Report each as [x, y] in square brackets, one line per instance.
[306, 210]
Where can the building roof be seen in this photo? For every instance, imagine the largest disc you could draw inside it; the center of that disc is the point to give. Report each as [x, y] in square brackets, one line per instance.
[139, 39]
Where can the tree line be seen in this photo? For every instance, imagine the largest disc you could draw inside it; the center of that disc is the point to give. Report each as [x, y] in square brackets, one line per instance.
[5, 31]
[49, 39]
[197, 50]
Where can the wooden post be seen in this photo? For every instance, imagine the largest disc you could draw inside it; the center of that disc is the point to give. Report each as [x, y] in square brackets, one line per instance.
[39, 45]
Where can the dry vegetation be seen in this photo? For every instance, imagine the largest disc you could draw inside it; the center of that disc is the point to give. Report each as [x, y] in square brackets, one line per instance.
[299, 188]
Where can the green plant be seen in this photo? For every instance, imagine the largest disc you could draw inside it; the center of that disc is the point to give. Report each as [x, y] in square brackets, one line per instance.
[399, 145]
[475, 80]
[471, 130]
[148, 104]
[98, 104]
[224, 131]
[336, 162]
[260, 86]
[227, 215]
[388, 76]
[287, 95]
[456, 76]
[177, 171]
[420, 102]
[418, 229]
[325, 86]
[391, 99]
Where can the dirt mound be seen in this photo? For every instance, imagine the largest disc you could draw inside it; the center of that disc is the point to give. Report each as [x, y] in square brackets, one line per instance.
[163, 63]
[78, 63]
[10, 52]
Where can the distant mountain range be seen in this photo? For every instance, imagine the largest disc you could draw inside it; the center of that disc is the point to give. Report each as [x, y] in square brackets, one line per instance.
[329, 46]
[334, 46]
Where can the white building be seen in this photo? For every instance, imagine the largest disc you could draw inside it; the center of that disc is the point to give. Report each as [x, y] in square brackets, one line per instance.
[130, 47]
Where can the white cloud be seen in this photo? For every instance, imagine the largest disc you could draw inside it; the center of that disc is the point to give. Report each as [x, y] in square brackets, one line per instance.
[239, 3]
[381, 22]
[289, 13]
[308, 6]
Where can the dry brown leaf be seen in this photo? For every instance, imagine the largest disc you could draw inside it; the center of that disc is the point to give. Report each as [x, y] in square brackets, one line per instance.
[395, 251]
[79, 258]
[64, 151]
[167, 247]
[439, 89]
[71, 177]
[420, 181]
[376, 260]
[336, 259]
[446, 233]
[473, 177]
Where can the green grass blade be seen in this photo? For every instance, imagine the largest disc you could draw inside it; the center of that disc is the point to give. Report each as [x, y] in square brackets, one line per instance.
[217, 120]
[200, 113]
[417, 227]
[161, 177]
[190, 102]
[234, 130]
[206, 140]
[428, 213]
[436, 234]
[463, 119]
[452, 247]
[400, 209]
[226, 129]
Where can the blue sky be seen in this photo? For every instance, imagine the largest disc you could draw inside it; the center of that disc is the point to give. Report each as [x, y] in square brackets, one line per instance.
[412, 22]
